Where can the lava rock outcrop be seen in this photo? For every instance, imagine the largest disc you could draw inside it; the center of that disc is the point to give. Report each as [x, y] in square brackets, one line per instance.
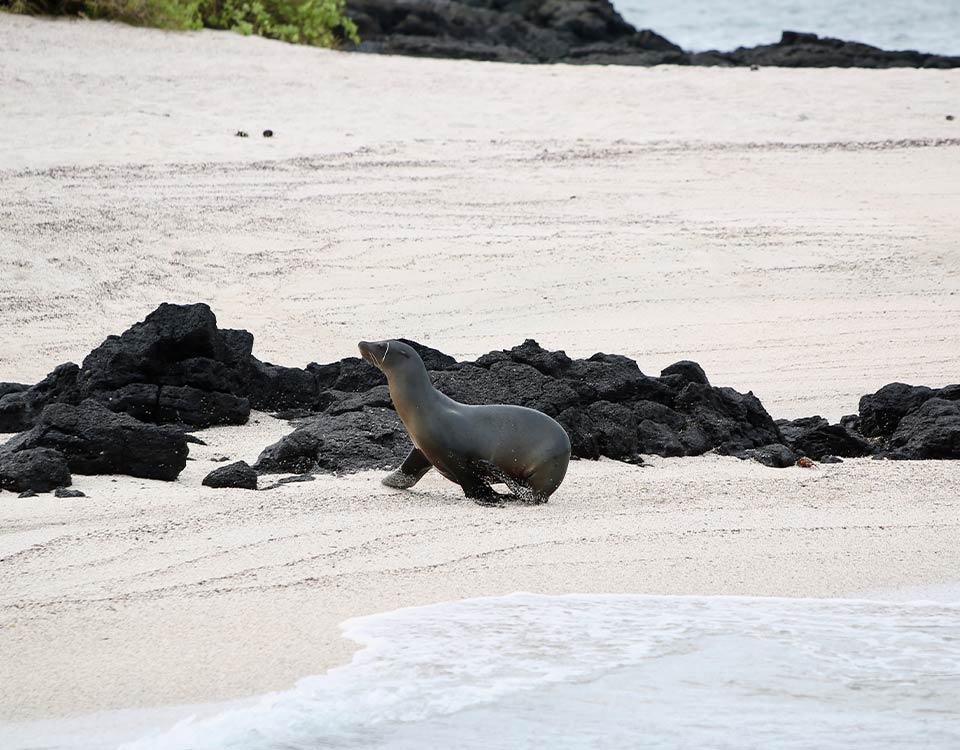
[816, 438]
[129, 408]
[585, 32]
[94, 440]
[525, 31]
[607, 405]
[33, 470]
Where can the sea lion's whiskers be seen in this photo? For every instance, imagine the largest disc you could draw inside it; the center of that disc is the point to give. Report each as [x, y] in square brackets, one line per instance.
[385, 353]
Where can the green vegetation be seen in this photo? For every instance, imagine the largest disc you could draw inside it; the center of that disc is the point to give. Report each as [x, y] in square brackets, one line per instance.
[318, 22]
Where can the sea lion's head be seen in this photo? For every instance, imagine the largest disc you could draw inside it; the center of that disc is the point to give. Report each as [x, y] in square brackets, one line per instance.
[391, 356]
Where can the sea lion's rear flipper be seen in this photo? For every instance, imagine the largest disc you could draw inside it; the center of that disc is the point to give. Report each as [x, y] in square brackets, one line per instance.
[520, 491]
[411, 471]
[524, 493]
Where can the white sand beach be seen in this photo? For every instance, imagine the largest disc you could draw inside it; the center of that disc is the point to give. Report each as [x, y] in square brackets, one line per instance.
[794, 231]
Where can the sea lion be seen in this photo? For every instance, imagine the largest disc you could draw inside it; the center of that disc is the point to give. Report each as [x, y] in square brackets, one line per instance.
[473, 446]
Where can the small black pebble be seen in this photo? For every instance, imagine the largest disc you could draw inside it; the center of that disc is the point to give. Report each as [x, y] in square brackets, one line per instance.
[27, 493]
[754, 67]
[241, 134]
[268, 134]
[950, 117]
[64, 492]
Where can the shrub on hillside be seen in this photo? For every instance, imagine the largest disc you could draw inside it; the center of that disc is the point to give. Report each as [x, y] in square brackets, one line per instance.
[318, 22]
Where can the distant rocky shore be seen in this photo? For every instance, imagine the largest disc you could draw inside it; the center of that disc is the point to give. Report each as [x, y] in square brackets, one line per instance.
[133, 404]
[584, 32]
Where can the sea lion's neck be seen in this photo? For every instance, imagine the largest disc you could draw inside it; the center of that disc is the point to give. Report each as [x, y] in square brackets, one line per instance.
[412, 396]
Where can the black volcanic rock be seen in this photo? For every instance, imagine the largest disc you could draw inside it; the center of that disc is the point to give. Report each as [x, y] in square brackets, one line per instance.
[774, 455]
[349, 374]
[601, 377]
[525, 31]
[800, 50]
[881, 412]
[238, 474]
[6, 388]
[378, 396]
[793, 429]
[20, 407]
[601, 429]
[584, 32]
[815, 438]
[731, 421]
[297, 479]
[170, 404]
[165, 342]
[659, 439]
[175, 366]
[372, 438]
[613, 377]
[95, 440]
[930, 431]
[506, 382]
[33, 469]
[275, 388]
[689, 372]
[663, 432]
[949, 392]
[529, 353]
[199, 408]
[851, 422]
[63, 492]
[607, 405]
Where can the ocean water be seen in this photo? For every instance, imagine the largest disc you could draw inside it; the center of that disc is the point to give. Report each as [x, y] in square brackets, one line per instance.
[924, 25]
[577, 672]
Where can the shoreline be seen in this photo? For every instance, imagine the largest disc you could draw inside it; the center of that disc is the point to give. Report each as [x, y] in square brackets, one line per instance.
[108, 729]
[218, 594]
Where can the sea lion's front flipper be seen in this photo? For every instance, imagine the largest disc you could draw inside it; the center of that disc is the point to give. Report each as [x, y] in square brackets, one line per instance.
[411, 471]
[474, 484]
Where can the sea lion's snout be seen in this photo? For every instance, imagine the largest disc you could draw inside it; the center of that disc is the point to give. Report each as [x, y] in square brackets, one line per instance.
[373, 352]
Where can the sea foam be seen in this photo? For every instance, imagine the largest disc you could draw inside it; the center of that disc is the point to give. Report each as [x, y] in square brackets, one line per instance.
[582, 671]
